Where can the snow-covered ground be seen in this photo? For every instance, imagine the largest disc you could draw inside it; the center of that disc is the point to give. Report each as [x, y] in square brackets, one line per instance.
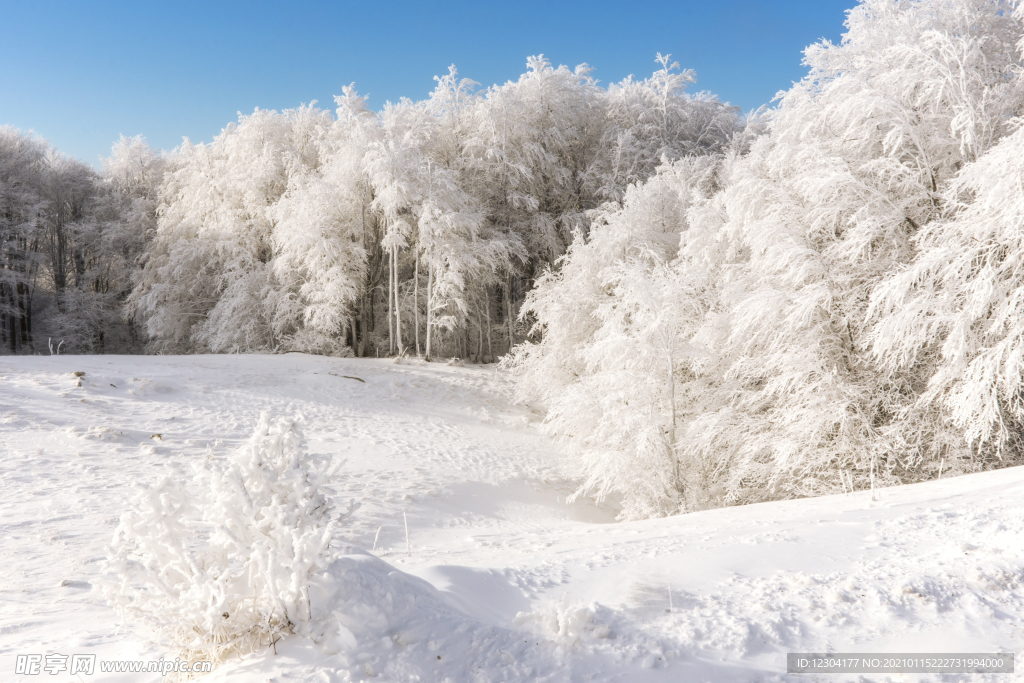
[502, 579]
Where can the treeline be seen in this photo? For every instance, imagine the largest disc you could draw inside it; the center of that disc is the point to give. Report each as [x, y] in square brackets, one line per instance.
[418, 229]
[836, 301]
[70, 239]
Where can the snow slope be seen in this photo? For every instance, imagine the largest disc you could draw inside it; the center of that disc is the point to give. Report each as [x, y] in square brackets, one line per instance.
[502, 580]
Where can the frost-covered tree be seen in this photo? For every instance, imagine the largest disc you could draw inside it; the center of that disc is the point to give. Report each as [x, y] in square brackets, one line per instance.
[131, 181]
[655, 120]
[21, 165]
[814, 217]
[209, 280]
[551, 146]
[531, 142]
[397, 169]
[95, 227]
[464, 254]
[951, 321]
[615, 323]
[319, 259]
[355, 130]
[69, 240]
[278, 234]
[780, 392]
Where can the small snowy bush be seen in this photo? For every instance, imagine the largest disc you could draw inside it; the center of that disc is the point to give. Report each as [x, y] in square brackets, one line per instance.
[566, 624]
[221, 564]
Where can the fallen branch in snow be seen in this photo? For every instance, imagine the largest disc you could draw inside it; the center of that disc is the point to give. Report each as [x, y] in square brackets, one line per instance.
[347, 377]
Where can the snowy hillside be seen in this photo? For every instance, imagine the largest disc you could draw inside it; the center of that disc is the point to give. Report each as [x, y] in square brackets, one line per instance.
[501, 580]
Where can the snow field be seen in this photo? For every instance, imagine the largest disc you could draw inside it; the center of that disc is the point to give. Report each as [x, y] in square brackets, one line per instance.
[504, 581]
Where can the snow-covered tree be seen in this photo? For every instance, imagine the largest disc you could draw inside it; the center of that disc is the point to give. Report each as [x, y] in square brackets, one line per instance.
[319, 260]
[814, 217]
[131, 181]
[396, 168]
[614, 324]
[21, 165]
[781, 392]
[652, 121]
[209, 280]
[951, 321]
[278, 233]
[69, 240]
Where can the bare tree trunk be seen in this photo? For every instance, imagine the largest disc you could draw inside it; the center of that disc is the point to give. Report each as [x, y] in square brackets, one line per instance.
[28, 311]
[487, 309]
[430, 305]
[508, 312]
[398, 311]
[367, 325]
[23, 313]
[374, 259]
[480, 335]
[12, 321]
[416, 299]
[391, 322]
[672, 410]
[3, 313]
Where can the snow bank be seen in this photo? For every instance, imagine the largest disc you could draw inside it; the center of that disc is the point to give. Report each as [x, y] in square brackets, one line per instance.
[384, 622]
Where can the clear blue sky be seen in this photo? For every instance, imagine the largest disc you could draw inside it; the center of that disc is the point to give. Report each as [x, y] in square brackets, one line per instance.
[81, 73]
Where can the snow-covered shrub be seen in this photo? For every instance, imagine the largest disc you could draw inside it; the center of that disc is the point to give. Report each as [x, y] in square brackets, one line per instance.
[221, 563]
[566, 624]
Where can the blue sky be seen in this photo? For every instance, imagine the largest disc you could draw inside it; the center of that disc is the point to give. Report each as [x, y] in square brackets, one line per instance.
[81, 73]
